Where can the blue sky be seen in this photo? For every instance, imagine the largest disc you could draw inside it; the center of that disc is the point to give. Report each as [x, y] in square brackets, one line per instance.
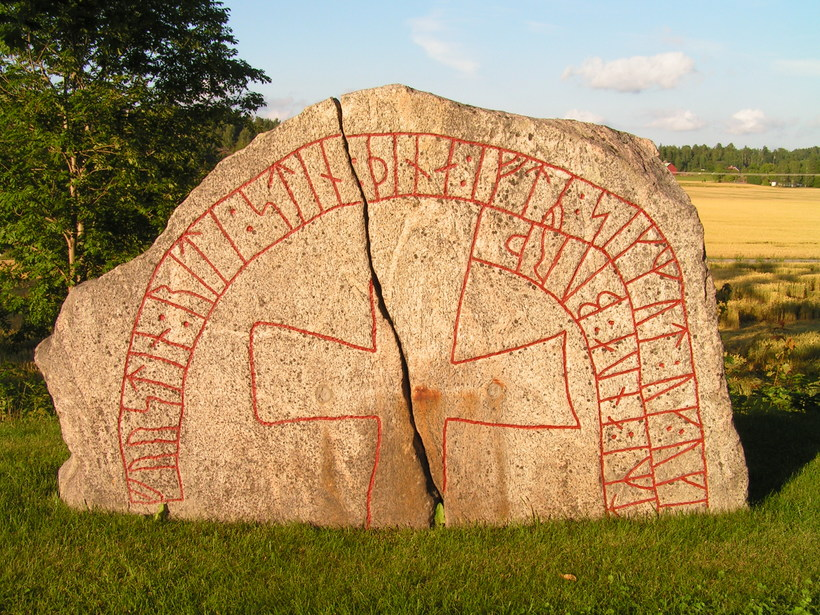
[678, 73]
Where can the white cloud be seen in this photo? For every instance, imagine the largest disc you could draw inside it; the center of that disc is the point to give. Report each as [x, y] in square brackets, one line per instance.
[283, 108]
[583, 116]
[426, 32]
[809, 67]
[750, 121]
[678, 120]
[634, 74]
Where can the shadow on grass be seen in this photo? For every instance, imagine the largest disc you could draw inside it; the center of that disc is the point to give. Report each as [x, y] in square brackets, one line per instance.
[777, 444]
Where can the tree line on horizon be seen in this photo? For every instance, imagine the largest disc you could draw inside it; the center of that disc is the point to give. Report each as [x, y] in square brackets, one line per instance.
[798, 167]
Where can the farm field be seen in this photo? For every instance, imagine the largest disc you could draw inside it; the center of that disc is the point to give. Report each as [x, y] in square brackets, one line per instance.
[768, 300]
[747, 221]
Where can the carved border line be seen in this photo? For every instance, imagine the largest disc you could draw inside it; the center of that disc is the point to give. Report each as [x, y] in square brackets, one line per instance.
[159, 356]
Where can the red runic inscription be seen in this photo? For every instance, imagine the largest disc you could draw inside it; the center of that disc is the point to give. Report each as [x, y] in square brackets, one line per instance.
[587, 249]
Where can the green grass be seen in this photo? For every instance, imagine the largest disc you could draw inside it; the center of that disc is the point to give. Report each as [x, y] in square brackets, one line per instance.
[761, 560]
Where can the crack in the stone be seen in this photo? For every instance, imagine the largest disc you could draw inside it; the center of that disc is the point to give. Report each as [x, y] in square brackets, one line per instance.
[418, 443]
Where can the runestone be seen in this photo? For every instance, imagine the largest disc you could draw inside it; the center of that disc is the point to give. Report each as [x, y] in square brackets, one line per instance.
[394, 300]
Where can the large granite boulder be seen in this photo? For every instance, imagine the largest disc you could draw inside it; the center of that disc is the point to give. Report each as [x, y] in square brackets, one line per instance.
[394, 299]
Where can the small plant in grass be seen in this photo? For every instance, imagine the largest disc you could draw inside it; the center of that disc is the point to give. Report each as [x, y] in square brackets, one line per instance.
[722, 297]
[23, 392]
[778, 387]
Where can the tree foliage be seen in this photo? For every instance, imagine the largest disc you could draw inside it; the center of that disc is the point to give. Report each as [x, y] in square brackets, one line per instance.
[233, 137]
[109, 115]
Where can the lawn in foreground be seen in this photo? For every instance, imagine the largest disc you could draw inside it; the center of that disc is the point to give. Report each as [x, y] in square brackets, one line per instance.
[762, 560]
[747, 221]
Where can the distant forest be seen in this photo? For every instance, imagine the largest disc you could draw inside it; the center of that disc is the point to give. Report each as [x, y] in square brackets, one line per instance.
[800, 167]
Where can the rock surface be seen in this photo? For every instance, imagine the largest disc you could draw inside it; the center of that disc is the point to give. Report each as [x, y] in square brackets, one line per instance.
[393, 299]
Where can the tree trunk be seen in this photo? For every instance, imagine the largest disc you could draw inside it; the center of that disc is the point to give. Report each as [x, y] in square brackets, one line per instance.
[74, 235]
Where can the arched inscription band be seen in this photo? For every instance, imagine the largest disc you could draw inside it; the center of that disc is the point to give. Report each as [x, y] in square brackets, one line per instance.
[602, 258]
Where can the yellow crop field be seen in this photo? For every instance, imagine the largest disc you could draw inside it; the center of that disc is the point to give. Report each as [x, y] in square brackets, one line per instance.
[747, 221]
